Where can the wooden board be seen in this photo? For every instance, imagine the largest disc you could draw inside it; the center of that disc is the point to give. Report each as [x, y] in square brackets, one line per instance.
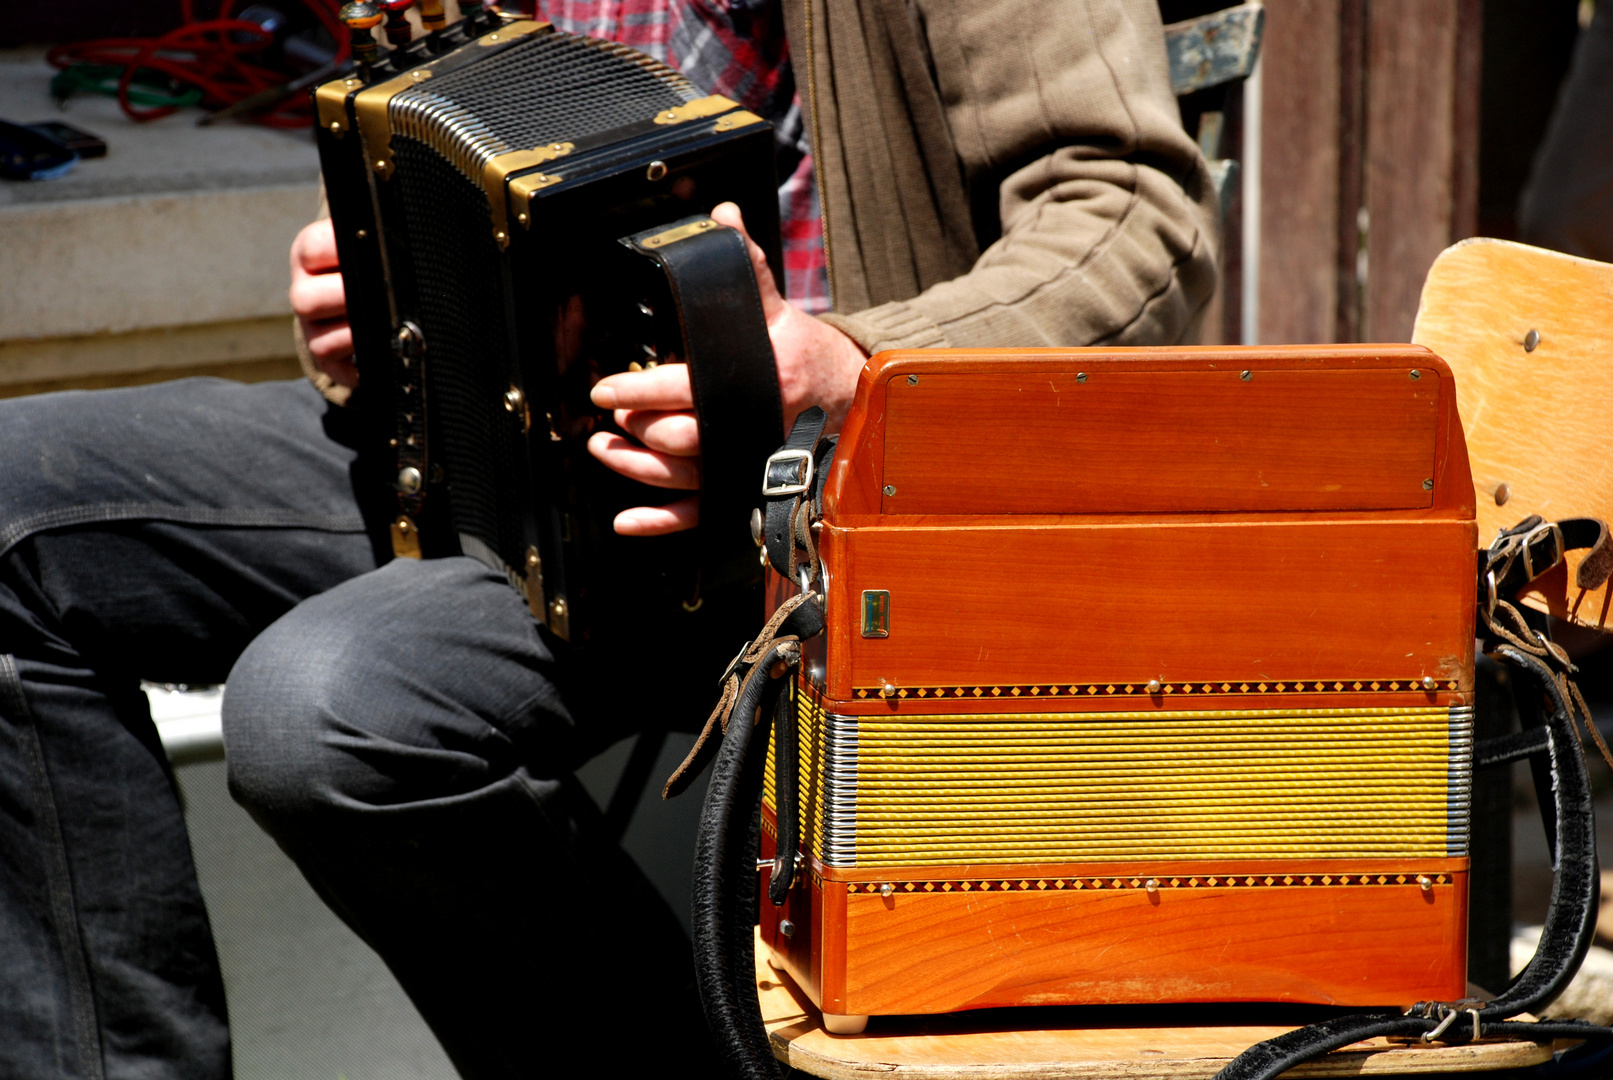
[1536, 421]
[1160, 442]
[1083, 1044]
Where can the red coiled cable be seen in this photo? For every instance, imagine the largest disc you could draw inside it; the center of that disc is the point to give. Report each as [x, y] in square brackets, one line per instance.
[217, 56]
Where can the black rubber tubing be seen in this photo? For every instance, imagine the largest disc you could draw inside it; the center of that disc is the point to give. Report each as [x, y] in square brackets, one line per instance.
[725, 888]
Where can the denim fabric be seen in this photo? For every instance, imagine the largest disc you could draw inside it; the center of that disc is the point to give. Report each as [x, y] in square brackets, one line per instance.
[406, 735]
[420, 777]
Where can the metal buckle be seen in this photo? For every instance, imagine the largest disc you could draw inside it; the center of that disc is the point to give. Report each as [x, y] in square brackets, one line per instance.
[1528, 558]
[771, 490]
[733, 665]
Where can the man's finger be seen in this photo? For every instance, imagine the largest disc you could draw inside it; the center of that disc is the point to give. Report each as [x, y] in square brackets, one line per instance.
[341, 372]
[314, 249]
[659, 520]
[772, 300]
[645, 466]
[328, 340]
[661, 389]
[317, 296]
[669, 432]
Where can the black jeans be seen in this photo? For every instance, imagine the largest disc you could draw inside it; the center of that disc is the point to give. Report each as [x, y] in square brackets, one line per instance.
[405, 732]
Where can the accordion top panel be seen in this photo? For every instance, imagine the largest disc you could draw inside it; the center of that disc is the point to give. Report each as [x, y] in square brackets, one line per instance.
[546, 88]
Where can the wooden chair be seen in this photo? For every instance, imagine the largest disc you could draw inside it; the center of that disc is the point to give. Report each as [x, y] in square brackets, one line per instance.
[1529, 335]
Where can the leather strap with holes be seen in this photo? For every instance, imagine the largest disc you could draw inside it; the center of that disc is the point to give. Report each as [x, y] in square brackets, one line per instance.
[732, 373]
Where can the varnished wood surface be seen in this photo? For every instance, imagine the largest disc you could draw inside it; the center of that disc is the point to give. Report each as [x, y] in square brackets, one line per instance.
[1159, 442]
[1153, 600]
[1083, 1044]
[1347, 945]
[1536, 421]
[1135, 578]
[1210, 386]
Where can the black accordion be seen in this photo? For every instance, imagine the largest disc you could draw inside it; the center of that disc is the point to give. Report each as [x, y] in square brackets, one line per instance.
[518, 213]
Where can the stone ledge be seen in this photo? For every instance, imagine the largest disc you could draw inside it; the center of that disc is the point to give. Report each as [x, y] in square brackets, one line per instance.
[251, 350]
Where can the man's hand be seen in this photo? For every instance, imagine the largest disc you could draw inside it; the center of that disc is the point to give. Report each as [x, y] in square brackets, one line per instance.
[817, 365]
[320, 303]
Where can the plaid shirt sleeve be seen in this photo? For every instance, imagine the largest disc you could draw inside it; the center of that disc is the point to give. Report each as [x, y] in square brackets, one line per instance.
[736, 48]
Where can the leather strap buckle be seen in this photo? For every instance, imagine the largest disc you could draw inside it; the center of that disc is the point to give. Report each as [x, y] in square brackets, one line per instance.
[793, 476]
[1556, 533]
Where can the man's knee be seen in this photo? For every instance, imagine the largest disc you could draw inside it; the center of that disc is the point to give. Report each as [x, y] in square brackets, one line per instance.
[416, 682]
[284, 711]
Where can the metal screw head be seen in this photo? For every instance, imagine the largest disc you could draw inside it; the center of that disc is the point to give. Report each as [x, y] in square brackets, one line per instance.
[887, 889]
[1155, 686]
[533, 559]
[890, 489]
[1425, 882]
[362, 234]
[1152, 885]
[1246, 375]
[513, 399]
[786, 927]
[409, 480]
[756, 526]
[1080, 376]
[1531, 341]
[1502, 493]
[912, 380]
[1415, 374]
[1428, 485]
[656, 171]
[887, 689]
[1428, 682]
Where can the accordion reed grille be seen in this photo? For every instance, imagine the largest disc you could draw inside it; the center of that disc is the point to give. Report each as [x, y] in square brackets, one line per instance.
[550, 88]
[459, 305]
[1144, 786]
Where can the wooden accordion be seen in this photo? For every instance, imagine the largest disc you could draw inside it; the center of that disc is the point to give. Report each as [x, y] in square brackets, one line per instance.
[516, 211]
[1148, 677]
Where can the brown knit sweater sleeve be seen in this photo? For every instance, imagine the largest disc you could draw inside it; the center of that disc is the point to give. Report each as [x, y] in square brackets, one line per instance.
[1106, 208]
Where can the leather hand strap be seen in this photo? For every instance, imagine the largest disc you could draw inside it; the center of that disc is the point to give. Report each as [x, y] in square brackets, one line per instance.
[792, 478]
[733, 375]
[1533, 546]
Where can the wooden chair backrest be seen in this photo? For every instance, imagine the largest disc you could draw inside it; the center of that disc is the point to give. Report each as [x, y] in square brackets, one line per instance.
[1529, 336]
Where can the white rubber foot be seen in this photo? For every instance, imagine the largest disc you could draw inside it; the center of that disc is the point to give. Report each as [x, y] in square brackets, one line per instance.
[844, 1025]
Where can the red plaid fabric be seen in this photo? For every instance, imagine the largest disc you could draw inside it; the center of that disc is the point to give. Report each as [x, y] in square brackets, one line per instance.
[735, 48]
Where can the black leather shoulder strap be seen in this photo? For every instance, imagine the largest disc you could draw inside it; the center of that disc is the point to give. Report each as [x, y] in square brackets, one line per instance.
[732, 371]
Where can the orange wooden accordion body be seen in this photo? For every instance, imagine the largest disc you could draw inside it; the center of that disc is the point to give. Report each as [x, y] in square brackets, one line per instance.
[1148, 678]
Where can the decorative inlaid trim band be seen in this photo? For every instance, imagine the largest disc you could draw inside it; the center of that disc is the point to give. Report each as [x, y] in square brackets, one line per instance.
[1149, 884]
[1422, 684]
